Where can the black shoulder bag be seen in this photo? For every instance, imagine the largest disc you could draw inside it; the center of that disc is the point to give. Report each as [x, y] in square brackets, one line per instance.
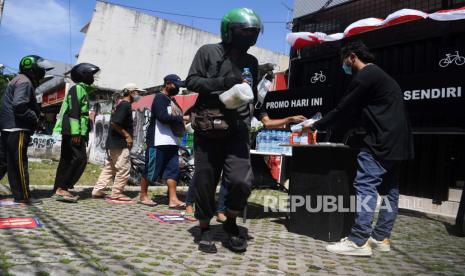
[212, 120]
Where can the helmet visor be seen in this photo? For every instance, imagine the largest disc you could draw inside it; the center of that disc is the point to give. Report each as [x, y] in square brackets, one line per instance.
[249, 26]
[44, 64]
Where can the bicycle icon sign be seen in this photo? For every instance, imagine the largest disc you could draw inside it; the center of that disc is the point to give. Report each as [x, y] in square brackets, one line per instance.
[318, 77]
[450, 58]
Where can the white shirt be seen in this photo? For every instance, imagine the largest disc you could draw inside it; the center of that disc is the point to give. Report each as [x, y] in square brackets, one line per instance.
[164, 135]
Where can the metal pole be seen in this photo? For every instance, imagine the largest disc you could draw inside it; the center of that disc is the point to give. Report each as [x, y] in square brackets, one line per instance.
[2, 3]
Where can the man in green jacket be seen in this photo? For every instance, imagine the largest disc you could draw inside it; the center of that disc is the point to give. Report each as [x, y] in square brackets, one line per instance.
[73, 125]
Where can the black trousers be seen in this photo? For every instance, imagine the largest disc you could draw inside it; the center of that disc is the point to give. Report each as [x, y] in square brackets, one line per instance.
[73, 162]
[230, 155]
[13, 160]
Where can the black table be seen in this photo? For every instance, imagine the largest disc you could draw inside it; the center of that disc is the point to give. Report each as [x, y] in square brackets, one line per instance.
[319, 172]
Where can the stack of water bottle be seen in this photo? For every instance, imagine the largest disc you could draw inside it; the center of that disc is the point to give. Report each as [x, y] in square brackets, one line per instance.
[272, 141]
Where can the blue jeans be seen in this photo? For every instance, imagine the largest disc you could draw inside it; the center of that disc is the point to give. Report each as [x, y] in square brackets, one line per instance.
[373, 177]
[221, 197]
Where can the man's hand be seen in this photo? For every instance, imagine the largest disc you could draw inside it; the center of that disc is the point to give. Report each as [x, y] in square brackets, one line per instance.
[129, 142]
[231, 81]
[296, 119]
[76, 139]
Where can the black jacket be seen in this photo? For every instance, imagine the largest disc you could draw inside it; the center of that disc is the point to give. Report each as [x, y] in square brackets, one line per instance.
[208, 71]
[378, 99]
[19, 108]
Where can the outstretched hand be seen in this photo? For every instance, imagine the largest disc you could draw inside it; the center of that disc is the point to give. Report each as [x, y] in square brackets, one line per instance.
[297, 119]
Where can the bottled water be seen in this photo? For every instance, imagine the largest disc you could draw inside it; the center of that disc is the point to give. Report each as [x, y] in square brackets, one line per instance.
[284, 141]
[279, 141]
[247, 75]
[266, 141]
[258, 141]
[276, 141]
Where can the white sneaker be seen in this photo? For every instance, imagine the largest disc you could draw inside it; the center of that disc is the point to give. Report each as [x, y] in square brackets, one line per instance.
[347, 247]
[382, 246]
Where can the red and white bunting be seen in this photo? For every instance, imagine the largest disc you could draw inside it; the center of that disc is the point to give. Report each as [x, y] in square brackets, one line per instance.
[448, 15]
[363, 25]
[303, 39]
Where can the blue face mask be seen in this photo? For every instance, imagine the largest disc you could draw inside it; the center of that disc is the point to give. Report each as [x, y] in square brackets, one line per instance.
[347, 69]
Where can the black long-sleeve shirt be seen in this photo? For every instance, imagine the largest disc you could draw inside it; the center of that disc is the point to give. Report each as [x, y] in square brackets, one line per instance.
[383, 114]
[210, 67]
[19, 108]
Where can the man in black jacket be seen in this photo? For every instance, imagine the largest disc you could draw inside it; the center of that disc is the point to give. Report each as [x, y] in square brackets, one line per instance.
[378, 100]
[19, 116]
[215, 69]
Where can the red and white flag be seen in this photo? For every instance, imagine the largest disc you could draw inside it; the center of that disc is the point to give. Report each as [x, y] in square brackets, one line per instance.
[303, 39]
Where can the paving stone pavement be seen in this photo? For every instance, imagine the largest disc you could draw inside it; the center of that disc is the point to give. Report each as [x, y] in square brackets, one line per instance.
[94, 237]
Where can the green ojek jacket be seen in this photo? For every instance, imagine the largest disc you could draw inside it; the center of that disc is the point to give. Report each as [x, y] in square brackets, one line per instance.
[74, 113]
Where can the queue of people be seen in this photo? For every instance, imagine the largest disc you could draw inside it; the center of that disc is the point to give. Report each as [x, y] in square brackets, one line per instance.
[221, 141]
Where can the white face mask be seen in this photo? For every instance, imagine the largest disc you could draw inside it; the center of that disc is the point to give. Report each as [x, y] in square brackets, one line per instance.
[262, 88]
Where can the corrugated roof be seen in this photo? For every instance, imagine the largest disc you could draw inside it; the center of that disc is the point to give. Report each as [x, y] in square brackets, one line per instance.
[305, 7]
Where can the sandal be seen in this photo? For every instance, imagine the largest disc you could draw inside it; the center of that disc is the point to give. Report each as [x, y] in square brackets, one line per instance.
[97, 196]
[120, 197]
[180, 206]
[66, 198]
[189, 217]
[149, 203]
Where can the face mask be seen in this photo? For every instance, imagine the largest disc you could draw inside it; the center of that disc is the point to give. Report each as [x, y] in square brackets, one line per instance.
[173, 92]
[135, 99]
[89, 80]
[243, 42]
[347, 69]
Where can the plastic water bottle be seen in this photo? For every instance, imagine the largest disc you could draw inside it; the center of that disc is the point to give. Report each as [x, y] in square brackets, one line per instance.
[263, 140]
[270, 141]
[259, 141]
[266, 141]
[284, 141]
[278, 141]
[247, 75]
[275, 141]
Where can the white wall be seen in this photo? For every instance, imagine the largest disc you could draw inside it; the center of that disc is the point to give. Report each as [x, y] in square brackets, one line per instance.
[130, 46]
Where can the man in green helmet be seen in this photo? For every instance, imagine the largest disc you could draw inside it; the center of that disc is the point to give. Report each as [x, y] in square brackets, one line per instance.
[215, 69]
[19, 117]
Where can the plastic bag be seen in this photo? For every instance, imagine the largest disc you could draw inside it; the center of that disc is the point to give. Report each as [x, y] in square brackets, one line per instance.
[262, 89]
[298, 127]
[238, 95]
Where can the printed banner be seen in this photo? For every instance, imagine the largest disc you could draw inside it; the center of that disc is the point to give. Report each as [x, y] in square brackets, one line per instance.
[169, 218]
[9, 202]
[29, 222]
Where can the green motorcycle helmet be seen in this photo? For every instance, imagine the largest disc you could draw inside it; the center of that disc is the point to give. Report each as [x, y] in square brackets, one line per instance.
[34, 67]
[240, 18]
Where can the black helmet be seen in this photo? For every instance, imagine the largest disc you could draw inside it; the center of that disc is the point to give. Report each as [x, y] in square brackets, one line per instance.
[84, 72]
[34, 67]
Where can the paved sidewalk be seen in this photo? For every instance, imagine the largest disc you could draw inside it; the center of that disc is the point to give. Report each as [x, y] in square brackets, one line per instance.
[94, 237]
